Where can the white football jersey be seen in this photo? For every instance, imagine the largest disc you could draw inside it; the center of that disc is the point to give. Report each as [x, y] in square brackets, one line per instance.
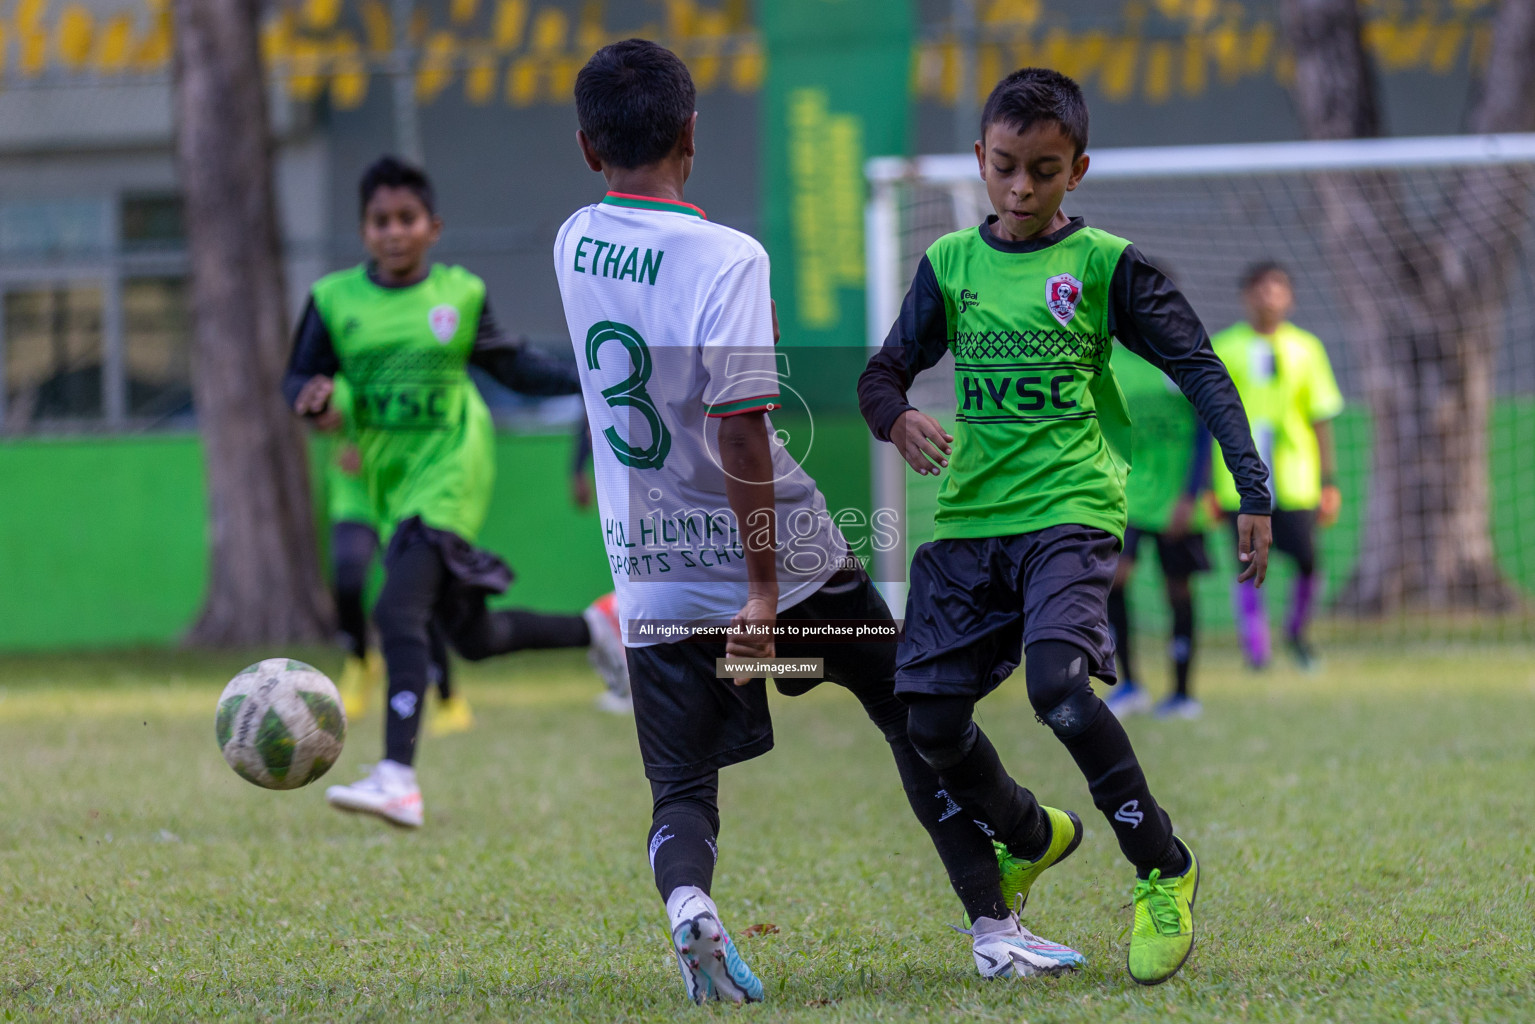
[672, 326]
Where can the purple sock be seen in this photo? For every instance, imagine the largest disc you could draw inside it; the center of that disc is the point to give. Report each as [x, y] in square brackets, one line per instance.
[1301, 600]
[1252, 624]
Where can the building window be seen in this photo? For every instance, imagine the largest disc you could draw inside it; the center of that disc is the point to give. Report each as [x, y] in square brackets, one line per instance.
[53, 355]
[157, 342]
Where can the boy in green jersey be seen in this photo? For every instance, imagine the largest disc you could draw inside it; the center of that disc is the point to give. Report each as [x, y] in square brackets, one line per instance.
[1032, 510]
[1287, 384]
[1172, 470]
[404, 332]
[354, 543]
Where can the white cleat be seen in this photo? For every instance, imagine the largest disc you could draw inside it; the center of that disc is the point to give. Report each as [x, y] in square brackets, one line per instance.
[1006, 949]
[388, 791]
[711, 967]
[606, 652]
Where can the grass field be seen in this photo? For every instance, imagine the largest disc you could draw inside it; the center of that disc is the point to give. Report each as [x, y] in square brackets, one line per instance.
[1365, 835]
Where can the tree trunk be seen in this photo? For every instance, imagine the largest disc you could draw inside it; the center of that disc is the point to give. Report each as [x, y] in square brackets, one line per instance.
[264, 583]
[1423, 287]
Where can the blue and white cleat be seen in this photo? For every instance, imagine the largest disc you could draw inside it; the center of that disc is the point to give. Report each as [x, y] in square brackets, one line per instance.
[1006, 949]
[1128, 699]
[711, 967]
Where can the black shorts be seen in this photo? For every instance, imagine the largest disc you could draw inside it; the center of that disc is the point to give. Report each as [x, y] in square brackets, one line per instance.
[691, 723]
[975, 604]
[1179, 558]
[1294, 534]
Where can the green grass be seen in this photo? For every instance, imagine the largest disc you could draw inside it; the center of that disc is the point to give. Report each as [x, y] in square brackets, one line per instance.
[1365, 834]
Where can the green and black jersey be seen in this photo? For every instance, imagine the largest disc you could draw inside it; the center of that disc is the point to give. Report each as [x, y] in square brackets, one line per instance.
[421, 427]
[1043, 433]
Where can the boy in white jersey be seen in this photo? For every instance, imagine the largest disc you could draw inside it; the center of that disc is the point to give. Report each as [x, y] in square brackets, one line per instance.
[673, 328]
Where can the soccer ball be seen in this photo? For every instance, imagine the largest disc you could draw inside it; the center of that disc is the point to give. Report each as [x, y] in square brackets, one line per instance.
[280, 724]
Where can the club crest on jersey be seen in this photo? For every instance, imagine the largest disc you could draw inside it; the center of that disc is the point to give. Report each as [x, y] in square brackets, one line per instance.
[1062, 293]
[444, 322]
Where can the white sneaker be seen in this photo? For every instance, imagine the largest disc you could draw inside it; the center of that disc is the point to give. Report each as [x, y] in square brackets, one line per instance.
[711, 967]
[1006, 949]
[606, 652]
[389, 791]
[1127, 699]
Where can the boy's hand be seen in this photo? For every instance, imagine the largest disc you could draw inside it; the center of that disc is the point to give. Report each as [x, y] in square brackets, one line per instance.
[314, 401]
[1331, 505]
[922, 442]
[580, 490]
[759, 610]
[1254, 535]
[350, 460]
[1183, 514]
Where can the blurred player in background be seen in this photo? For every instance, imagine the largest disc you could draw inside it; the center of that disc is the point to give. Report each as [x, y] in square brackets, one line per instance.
[354, 543]
[615, 697]
[1291, 396]
[673, 321]
[404, 332]
[1031, 513]
[1171, 469]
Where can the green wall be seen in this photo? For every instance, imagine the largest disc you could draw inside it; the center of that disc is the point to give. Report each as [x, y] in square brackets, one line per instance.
[103, 540]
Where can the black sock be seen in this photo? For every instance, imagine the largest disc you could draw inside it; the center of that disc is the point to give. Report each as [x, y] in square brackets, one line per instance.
[973, 774]
[1056, 673]
[442, 669]
[1183, 640]
[352, 547]
[684, 825]
[1119, 624]
[409, 665]
[963, 848]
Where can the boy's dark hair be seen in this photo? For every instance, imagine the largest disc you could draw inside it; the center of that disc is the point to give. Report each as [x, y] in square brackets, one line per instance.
[392, 172]
[633, 98]
[1029, 95]
[1258, 271]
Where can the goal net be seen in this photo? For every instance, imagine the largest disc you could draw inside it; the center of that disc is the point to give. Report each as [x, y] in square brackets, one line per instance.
[1410, 258]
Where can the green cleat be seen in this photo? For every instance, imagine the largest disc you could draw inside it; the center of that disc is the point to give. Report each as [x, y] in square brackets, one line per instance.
[1018, 875]
[1163, 935]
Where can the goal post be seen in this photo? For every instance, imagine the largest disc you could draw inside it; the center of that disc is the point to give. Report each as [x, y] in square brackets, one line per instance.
[1413, 259]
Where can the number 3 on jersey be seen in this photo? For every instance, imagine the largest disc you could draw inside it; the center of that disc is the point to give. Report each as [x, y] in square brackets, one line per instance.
[630, 392]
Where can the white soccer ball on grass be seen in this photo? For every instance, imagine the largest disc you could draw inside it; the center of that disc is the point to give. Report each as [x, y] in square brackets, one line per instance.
[280, 724]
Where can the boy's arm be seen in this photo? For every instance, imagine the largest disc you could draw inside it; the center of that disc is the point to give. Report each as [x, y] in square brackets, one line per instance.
[518, 365]
[916, 341]
[307, 384]
[746, 456]
[1151, 318]
[1197, 480]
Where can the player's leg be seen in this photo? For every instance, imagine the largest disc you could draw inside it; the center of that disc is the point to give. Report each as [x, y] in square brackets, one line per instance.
[867, 669]
[1180, 559]
[690, 725]
[1252, 619]
[1295, 535]
[606, 654]
[963, 634]
[450, 714]
[353, 546]
[1068, 572]
[414, 576]
[1128, 697]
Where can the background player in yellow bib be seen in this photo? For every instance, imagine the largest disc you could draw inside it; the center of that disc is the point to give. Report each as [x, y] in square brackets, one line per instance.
[1287, 385]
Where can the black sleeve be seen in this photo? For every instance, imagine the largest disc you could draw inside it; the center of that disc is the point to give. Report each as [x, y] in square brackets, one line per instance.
[1151, 318]
[917, 341]
[518, 365]
[313, 354]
